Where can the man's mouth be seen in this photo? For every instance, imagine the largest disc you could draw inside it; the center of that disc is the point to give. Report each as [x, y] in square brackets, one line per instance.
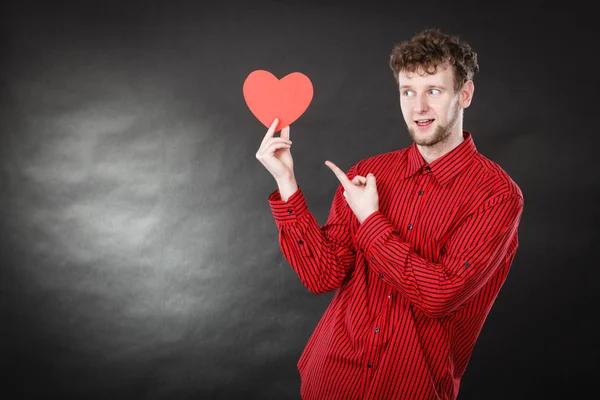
[424, 122]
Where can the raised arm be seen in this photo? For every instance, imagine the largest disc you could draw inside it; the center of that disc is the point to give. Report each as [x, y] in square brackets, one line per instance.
[321, 256]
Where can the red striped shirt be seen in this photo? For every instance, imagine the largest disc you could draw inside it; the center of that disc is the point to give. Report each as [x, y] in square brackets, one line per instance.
[415, 281]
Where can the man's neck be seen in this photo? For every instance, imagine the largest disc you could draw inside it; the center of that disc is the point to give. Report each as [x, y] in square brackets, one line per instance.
[432, 153]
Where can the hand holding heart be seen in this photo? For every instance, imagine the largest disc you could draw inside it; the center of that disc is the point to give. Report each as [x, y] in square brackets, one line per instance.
[279, 102]
[274, 153]
[360, 192]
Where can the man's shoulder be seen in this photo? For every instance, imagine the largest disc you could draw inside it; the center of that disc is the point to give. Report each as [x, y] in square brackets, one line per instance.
[494, 180]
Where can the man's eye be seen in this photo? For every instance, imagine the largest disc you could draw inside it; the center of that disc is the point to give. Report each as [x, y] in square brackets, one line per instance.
[434, 91]
[408, 93]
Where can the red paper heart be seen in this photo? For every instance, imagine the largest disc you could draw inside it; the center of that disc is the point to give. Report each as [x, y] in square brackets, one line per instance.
[286, 98]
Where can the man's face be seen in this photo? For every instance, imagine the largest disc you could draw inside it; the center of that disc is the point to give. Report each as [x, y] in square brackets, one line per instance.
[429, 105]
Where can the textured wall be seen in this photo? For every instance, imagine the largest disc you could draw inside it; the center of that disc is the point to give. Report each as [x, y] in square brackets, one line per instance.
[139, 258]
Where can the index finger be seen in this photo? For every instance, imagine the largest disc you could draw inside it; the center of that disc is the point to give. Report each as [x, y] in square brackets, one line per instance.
[285, 132]
[341, 175]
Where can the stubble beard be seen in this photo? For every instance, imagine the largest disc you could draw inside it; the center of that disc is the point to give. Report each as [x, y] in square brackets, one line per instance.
[441, 132]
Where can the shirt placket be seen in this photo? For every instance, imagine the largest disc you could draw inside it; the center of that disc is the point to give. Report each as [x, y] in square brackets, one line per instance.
[422, 182]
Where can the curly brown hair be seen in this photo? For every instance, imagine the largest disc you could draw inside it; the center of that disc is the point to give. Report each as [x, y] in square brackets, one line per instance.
[431, 48]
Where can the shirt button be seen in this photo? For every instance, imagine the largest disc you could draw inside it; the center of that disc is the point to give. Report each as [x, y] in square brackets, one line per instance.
[376, 330]
[301, 241]
[369, 365]
[421, 192]
[381, 275]
[390, 297]
[409, 226]
[428, 168]
[289, 210]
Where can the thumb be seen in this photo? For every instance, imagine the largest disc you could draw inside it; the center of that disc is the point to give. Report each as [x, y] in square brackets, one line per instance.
[371, 180]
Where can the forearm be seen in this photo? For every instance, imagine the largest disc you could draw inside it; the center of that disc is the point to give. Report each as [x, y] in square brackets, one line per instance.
[437, 288]
[317, 256]
[465, 263]
[321, 256]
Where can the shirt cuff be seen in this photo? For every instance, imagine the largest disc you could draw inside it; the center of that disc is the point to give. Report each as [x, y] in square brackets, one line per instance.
[290, 210]
[376, 227]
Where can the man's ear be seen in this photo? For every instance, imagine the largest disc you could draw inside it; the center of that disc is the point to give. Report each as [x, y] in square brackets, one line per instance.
[466, 94]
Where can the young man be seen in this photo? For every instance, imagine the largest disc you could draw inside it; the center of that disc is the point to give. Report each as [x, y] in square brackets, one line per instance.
[418, 241]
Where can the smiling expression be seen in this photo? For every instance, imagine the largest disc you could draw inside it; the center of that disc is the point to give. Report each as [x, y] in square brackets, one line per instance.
[430, 107]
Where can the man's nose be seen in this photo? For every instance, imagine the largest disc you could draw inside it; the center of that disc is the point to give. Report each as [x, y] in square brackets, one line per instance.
[421, 105]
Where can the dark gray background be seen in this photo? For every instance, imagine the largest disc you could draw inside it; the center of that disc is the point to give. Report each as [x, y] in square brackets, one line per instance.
[139, 257]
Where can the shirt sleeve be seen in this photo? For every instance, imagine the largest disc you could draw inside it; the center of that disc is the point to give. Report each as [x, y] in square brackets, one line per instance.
[323, 256]
[468, 259]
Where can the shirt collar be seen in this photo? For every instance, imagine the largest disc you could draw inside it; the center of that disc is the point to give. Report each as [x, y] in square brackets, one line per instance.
[445, 167]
